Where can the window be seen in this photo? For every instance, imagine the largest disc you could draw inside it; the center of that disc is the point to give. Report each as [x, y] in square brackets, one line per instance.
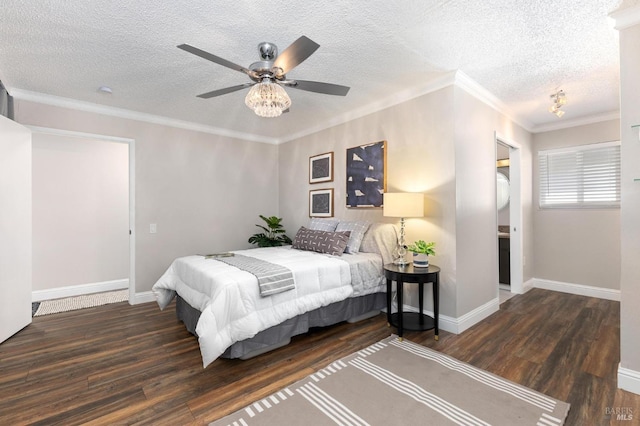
[586, 176]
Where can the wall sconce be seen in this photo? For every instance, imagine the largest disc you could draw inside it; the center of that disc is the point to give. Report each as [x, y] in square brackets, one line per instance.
[559, 98]
[402, 204]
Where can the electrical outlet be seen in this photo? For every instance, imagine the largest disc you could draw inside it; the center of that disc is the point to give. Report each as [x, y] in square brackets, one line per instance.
[153, 228]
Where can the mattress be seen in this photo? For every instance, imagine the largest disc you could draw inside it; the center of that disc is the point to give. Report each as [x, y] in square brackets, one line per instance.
[230, 306]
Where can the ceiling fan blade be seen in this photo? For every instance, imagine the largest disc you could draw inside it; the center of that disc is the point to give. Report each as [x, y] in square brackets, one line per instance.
[295, 54]
[318, 87]
[213, 58]
[219, 92]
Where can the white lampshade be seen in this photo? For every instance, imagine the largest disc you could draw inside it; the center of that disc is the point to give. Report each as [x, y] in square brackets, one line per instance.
[403, 204]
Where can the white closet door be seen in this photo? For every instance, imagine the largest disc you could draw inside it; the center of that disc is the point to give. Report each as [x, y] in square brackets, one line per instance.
[15, 228]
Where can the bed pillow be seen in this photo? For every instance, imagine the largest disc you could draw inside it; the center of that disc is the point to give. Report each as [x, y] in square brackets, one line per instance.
[320, 224]
[381, 238]
[357, 230]
[321, 241]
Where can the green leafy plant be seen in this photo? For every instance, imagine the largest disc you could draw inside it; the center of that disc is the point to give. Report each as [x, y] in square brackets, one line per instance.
[273, 235]
[422, 247]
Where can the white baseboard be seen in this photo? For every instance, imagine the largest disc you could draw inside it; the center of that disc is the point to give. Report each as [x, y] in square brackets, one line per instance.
[466, 321]
[527, 285]
[579, 289]
[78, 290]
[470, 319]
[144, 297]
[445, 322]
[629, 380]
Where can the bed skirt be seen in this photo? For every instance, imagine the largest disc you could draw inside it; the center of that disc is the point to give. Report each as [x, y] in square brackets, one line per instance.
[351, 309]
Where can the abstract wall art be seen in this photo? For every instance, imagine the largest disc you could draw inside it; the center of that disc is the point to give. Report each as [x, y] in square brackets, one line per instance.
[366, 177]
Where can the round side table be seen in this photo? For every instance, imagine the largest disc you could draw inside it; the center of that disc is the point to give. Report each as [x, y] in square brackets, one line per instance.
[415, 321]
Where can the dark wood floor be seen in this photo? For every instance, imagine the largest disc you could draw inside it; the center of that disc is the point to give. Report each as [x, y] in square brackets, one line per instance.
[121, 364]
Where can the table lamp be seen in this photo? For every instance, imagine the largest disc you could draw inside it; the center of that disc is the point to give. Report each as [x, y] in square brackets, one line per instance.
[402, 205]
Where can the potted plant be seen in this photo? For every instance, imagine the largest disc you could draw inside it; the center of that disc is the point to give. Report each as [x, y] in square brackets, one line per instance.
[273, 235]
[421, 251]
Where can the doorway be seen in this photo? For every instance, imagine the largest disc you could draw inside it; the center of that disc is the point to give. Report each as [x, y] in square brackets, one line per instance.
[85, 214]
[509, 217]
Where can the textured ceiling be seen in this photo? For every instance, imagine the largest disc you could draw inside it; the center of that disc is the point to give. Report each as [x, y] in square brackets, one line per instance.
[520, 51]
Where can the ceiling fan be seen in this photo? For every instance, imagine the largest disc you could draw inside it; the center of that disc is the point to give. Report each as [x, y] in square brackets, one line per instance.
[267, 97]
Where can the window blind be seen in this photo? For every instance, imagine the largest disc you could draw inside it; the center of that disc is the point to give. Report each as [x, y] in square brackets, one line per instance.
[586, 176]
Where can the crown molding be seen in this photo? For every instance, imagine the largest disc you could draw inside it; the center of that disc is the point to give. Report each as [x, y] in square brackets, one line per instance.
[483, 95]
[457, 78]
[26, 95]
[581, 121]
[437, 83]
[625, 18]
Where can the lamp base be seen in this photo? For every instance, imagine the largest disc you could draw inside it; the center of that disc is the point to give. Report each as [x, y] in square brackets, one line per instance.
[401, 261]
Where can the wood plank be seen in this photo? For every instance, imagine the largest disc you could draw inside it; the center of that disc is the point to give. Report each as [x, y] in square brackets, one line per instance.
[122, 364]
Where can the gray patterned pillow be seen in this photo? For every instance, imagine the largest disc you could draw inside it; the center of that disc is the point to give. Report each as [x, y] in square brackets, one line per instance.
[320, 224]
[357, 233]
[321, 241]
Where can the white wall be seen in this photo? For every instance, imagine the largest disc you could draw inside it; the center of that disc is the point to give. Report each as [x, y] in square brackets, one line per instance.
[630, 211]
[572, 245]
[80, 211]
[203, 191]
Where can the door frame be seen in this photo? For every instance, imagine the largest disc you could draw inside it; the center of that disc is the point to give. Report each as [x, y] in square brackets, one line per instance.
[132, 186]
[516, 257]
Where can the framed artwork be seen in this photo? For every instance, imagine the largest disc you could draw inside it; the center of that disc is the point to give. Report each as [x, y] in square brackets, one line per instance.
[321, 168]
[321, 203]
[366, 174]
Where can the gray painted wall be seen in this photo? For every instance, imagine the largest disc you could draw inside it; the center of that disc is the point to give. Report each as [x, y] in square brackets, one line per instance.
[420, 158]
[573, 245]
[203, 191]
[441, 144]
[476, 210]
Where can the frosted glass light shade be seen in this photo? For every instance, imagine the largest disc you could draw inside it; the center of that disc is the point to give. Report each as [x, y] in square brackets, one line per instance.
[403, 204]
[267, 99]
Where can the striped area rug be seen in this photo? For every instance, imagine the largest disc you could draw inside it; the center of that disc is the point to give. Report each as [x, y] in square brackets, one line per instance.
[80, 302]
[397, 382]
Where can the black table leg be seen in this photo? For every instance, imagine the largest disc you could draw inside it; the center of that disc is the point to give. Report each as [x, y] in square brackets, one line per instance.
[389, 289]
[436, 305]
[400, 284]
[421, 302]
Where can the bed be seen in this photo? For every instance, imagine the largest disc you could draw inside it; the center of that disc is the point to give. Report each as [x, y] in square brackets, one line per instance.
[222, 305]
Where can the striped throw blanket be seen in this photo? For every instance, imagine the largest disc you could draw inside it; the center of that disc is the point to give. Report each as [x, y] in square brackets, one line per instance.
[272, 278]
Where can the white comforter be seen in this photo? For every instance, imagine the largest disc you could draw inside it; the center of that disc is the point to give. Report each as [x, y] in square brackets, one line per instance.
[229, 299]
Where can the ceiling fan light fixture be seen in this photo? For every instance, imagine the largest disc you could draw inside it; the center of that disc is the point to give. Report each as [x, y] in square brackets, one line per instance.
[267, 99]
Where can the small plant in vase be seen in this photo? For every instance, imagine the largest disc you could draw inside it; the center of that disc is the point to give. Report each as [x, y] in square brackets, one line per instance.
[421, 251]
